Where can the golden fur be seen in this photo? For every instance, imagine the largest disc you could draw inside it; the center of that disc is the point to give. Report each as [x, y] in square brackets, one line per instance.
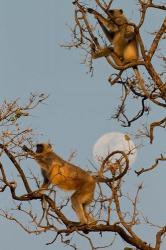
[67, 177]
[120, 34]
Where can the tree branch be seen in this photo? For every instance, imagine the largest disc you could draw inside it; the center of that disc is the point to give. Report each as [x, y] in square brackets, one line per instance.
[15, 163]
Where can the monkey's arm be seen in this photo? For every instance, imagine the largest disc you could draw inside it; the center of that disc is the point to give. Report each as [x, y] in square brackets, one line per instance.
[129, 36]
[109, 34]
[102, 20]
[45, 180]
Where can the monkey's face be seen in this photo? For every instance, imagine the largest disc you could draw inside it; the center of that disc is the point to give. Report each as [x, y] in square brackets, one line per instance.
[117, 16]
[43, 148]
[39, 148]
[115, 13]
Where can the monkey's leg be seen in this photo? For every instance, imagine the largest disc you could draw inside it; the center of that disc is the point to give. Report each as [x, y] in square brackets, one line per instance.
[90, 218]
[82, 197]
[106, 51]
[118, 61]
[46, 182]
[76, 200]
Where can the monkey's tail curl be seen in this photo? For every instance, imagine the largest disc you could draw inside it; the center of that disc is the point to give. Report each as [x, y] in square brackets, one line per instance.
[100, 177]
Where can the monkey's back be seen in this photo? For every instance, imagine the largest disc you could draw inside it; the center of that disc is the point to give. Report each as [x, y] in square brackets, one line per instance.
[68, 176]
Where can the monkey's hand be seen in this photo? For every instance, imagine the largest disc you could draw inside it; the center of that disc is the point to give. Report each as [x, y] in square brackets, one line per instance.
[29, 151]
[90, 10]
[25, 148]
[98, 16]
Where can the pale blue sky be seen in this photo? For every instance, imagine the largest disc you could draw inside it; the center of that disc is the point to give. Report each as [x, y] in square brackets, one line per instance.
[79, 107]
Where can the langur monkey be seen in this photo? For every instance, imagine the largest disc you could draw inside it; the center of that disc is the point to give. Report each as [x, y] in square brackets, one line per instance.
[66, 176]
[120, 34]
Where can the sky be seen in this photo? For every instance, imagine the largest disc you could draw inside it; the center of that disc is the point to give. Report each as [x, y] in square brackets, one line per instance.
[79, 106]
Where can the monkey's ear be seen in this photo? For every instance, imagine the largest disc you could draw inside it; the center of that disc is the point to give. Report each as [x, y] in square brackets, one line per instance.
[50, 146]
[121, 11]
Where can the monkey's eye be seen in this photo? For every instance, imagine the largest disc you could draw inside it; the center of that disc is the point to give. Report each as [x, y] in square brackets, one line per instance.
[39, 148]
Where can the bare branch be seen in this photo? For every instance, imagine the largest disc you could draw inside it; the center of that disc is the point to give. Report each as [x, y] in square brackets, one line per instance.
[158, 237]
[157, 38]
[143, 170]
[15, 163]
[156, 124]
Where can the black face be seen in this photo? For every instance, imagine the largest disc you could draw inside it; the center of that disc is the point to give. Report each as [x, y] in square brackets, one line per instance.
[39, 148]
[112, 12]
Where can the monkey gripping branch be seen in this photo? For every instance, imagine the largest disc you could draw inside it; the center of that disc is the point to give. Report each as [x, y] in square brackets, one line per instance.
[25, 188]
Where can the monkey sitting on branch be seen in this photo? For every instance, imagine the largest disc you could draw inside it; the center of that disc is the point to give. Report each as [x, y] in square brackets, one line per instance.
[121, 35]
[67, 177]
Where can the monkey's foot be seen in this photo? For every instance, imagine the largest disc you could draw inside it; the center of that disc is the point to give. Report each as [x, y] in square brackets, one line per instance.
[92, 223]
[85, 226]
[73, 224]
[90, 219]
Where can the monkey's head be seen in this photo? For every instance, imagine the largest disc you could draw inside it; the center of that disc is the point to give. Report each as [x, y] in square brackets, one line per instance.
[115, 12]
[117, 16]
[43, 148]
